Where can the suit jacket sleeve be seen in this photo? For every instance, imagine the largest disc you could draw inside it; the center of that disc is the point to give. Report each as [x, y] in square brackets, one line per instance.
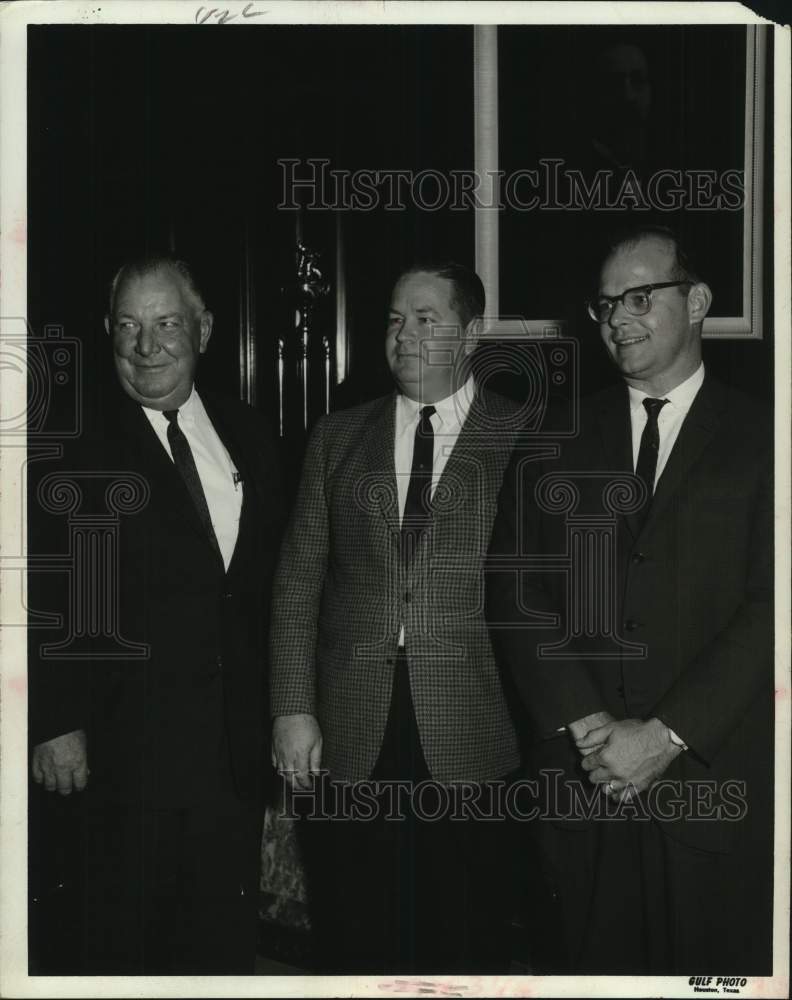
[58, 687]
[522, 615]
[717, 688]
[297, 591]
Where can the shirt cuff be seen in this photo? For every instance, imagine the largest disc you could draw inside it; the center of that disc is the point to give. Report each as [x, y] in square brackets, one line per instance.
[677, 740]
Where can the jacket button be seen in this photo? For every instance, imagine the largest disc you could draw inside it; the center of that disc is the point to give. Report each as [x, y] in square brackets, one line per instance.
[631, 625]
[228, 595]
[638, 557]
[620, 690]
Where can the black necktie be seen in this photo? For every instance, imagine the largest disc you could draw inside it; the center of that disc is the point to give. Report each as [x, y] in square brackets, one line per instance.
[418, 505]
[185, 464]
[647, 453]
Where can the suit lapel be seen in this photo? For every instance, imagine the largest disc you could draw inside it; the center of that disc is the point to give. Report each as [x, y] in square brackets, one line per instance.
[141, 441]
[469, 440]
[378, 460]
[699, 426]
[248, 525]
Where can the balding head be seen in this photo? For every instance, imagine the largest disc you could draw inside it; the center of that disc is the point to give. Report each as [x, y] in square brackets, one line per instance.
[159, 328]
[661, 347]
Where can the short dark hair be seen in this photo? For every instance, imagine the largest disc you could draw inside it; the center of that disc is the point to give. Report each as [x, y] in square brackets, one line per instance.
[467, 297]
[683, 267]
[139, 267]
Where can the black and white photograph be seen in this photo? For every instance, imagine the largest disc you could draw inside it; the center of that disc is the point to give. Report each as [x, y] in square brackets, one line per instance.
[395, 527]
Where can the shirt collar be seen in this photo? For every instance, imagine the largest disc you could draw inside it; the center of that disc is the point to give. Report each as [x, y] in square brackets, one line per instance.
[451, 410]
[189, 411]
[681, 397]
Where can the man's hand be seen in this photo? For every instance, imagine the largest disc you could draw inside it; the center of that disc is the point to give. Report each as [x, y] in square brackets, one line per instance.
[62, 763]
[635, 753]
[581, 727]
[297, 747]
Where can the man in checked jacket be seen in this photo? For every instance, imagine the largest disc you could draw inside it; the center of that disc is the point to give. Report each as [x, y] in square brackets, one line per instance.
[382, 666]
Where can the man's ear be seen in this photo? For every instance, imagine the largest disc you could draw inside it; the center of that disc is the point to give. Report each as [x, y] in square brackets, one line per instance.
[107, 325]
[472, 334]
[698, 302]
[207, 321]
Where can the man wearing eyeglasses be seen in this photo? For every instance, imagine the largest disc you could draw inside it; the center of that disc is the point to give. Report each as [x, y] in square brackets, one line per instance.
[655, 690]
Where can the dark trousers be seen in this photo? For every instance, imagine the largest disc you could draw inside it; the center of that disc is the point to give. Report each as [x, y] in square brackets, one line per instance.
[171, 891]
[410, 894]
[636, 901]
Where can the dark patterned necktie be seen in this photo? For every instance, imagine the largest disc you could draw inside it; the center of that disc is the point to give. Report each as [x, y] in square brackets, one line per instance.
[646, 468]
[185, 464]
[418, 505]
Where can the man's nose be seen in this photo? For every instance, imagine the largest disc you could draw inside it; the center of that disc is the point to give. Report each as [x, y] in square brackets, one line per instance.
[619, 315]
[146, 341]
[407, 330]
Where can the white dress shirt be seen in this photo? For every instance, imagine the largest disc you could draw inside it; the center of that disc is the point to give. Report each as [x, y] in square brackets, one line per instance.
[217, 472]
[670, 418]
[447, 420]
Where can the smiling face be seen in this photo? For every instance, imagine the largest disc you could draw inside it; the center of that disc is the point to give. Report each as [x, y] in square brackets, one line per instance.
[657, 351]
[426, 339]
[159, 330]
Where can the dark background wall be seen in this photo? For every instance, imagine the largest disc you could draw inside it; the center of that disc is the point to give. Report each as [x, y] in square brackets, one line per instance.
[149, 137]
[140, 138]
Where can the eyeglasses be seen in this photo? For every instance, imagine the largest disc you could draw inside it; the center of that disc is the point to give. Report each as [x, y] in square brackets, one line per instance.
[637, 301]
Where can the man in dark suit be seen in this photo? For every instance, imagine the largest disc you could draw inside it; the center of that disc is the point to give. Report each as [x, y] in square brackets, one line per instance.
[382, 664]
[649, 669]
[164, 705]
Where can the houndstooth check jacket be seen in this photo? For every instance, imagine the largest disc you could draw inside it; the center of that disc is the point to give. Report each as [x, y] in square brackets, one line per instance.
[343, 589]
